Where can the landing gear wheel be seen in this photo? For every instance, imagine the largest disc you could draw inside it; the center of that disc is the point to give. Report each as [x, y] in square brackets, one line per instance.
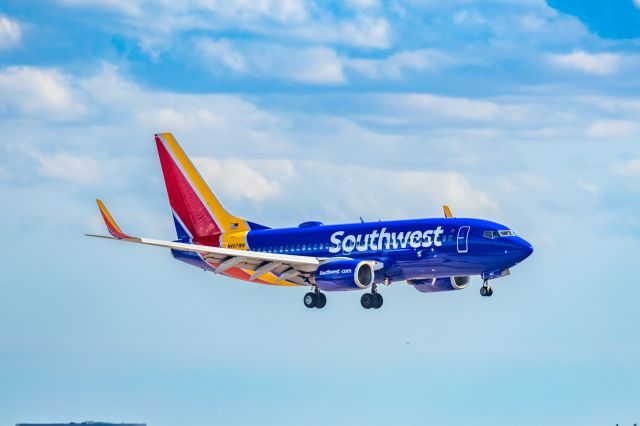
[367, 300]
[486, 290]
[378, 300]
[321, 300]
[310, 300]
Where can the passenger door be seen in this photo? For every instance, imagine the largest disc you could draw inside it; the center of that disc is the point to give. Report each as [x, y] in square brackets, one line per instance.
[463, 239]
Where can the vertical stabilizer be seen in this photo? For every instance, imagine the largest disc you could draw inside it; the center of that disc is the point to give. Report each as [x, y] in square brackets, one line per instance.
[197, 213]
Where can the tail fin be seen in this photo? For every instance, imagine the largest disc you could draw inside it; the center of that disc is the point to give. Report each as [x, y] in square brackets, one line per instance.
[197, 213]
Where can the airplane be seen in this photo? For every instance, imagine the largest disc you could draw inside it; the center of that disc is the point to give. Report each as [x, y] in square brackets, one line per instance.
[432, 255]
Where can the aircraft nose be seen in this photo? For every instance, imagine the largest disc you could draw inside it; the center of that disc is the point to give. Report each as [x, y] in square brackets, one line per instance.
[523, 248]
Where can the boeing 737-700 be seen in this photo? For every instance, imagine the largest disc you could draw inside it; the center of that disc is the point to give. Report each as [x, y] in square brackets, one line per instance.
[432, 255]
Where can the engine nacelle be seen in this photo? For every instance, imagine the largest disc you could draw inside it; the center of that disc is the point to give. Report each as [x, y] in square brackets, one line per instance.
[344, 274]
[441, 284]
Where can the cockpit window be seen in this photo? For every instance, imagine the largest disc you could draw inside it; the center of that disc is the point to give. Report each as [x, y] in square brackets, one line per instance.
[497, 234]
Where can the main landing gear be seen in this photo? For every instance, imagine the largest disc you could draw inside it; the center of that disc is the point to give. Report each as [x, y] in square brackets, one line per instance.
[315, 299]
[486, 290]
[372, 300]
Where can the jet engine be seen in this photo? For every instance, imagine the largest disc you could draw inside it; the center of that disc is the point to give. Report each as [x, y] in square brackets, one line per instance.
[344, 274]
[441, 284]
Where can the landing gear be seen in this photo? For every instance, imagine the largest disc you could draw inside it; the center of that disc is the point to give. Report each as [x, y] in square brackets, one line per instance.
[367, 300]
[310, 300]
[372, 300]
[379, 301]
[315, 299]
[486, 290]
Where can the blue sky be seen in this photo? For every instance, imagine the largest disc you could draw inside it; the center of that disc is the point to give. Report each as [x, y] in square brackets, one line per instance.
[521, 111]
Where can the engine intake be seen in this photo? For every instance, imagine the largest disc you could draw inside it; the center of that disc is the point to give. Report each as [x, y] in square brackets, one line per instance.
[441, 284]
[344, 275]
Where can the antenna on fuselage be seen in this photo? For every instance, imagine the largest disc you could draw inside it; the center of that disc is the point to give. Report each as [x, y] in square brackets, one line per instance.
[361, 219]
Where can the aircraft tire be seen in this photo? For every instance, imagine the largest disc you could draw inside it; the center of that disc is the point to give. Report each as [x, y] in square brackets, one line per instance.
[378, 300]
[310, 300]
[321, 300]
[484, 291]
[489, 292]
[367, 301]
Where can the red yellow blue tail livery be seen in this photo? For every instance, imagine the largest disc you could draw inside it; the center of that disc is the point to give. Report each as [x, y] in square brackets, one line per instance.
[432, 255]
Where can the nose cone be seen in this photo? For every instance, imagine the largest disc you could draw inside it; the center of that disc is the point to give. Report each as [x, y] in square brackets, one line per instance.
[522, 249]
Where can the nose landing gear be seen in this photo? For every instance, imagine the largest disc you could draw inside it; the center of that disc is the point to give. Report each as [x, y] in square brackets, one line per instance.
[315, 299]
[372, 300]
[486, 290]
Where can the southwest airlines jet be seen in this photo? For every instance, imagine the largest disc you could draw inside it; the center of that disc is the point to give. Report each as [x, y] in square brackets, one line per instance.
[432, 255]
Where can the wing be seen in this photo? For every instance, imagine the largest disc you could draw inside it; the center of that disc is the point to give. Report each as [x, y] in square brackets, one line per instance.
[284, 269]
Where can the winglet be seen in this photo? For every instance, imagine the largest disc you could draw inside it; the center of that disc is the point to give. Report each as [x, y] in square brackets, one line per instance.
[112, 226]
[447, 211]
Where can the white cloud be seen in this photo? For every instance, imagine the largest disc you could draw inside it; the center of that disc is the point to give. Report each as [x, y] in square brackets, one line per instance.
[469, 17]
[39, 93]
[10, 33]
[363, 30]
[395, 194]
[297, 20]
[367, 31]
[637, 3]
[131, 7]
[609, 129]
[69, 167]
[629, 169]
[314, 65]
[318, 65]
[278, 10]
[396, 65]
[240, 179]
[444, 106]
[590, 63]
[222, 52]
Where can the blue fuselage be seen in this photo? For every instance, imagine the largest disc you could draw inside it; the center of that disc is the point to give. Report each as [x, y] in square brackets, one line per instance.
[408, 249]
